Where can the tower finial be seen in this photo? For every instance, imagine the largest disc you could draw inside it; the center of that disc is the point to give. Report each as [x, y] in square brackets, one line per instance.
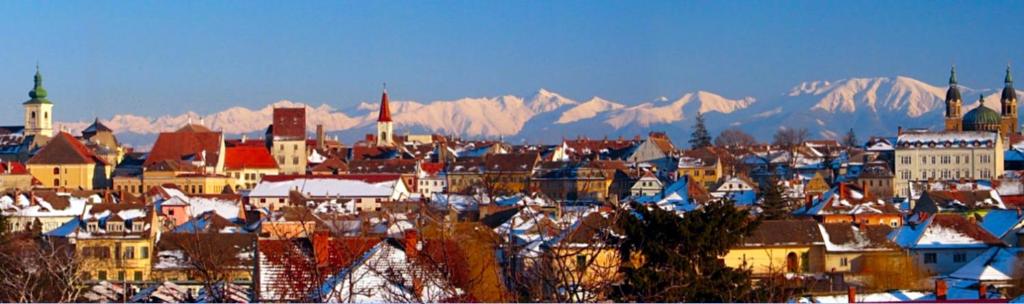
[952, 75]
[1009, 77]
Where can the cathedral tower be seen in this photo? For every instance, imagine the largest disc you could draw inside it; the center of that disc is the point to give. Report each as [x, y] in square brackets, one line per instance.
[38, 110]
[953, 104]
[1008, 102]
[385, 130]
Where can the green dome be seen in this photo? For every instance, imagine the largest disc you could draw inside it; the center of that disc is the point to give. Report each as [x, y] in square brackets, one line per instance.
[38, 93]
[981, 119]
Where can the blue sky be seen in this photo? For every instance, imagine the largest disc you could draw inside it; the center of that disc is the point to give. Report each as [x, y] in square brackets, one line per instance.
[168, 57]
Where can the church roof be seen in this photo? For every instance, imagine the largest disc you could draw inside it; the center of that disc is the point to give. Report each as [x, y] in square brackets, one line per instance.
[96, 127]
[195, 128]
[953, 93]
[979, 117]
[1008, 92]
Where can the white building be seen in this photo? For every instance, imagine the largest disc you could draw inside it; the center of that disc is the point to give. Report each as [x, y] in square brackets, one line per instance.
[923, 156]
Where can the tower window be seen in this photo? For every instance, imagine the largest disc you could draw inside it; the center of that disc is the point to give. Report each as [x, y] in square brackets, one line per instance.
[46, 115]
[33, 115]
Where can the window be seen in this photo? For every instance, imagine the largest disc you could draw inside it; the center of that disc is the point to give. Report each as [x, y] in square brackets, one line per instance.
[101, 275]
[144, 252]
[120, 275]
[959, 257]
[581, 262]
[56, 182]
[295, 160]
[295, 147]
[929, 258]
[844, 261]
[129, 252]
[137, 276]
[56, 170]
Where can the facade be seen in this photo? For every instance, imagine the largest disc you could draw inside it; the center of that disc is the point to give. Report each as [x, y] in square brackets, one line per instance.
[943, 242]
[778, 247]
[288, 140]
[647, 185]
[704, 171]
[923, 156]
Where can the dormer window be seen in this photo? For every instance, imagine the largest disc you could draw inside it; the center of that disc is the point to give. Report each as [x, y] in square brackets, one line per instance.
[92, 227]
[136, 227]
[115, 226]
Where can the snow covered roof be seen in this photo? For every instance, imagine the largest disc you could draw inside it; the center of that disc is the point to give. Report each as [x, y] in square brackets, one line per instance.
[995, 264]
[947, 139]
[323, 187]
[845, 237]
[1001, 222]
[943, 231]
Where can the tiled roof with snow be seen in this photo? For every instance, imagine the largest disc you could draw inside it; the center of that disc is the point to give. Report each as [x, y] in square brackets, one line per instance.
[947, 139]
[323, 187]
[943, 231]
[995, 264]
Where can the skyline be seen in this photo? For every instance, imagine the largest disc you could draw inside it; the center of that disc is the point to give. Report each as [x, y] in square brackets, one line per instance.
[136, 57]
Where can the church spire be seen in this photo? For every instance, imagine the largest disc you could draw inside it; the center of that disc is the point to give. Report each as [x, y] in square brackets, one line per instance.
[952, 76]
[38, 93]
[1009, 78]
[385, 111]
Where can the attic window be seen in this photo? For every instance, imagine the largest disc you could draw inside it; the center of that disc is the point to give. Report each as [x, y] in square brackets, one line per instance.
[92, 227]
[115, 226]
[136, 227]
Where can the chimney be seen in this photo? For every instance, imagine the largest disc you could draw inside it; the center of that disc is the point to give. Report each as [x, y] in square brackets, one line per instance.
[851, 294]
[982, 291]
[321, 247]
[940, 290]
[842, 190]
[810, 201]
[899, 130]
[319, 136]
[411, 241]
[31, 198]
[244, 137]
[974, 186]
[122, 195]
[1019, 212]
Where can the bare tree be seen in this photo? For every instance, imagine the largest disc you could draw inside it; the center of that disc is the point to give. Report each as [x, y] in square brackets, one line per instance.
[790, 137]
[734, 137]
[36, 270]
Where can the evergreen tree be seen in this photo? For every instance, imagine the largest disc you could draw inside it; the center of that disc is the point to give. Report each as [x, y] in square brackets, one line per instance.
[37, 228]
[700, 137]
[680, 255]
[774, 205]
[850, 140]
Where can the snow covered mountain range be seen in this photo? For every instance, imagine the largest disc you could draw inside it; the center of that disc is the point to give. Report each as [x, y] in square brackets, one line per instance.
[873, 106]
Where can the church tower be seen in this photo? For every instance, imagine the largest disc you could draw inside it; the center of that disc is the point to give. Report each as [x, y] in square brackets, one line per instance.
[1009, 124]
[953, 104]
[38, 110]
[385, 130]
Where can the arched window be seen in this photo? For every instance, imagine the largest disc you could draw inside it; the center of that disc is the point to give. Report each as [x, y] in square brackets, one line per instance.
[56, 182]
[33, 114]
[46, 115]
[56, 170]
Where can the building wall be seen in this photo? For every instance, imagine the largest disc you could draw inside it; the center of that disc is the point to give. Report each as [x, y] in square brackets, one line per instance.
[85, 176]
[290, 155]
[189, 184]
[247, 178]
[945, 262]
[112, 265]
[15, 181]
[42, 122]
[923, 163]
[707, 176]
[772, 260]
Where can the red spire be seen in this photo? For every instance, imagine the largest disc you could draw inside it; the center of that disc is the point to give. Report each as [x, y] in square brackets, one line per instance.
[385, 111]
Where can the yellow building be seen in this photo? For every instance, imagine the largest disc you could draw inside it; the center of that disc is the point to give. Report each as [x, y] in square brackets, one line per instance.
[190, 183]
[780, 246]
[817, 185]
[66, 162]
[248, 165]
[115, 242]
[707, 171]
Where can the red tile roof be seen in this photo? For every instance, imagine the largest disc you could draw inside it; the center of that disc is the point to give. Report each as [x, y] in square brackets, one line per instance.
[177, 146]
[289, 123]
[13, 168]
[242, 157]
[65, 149]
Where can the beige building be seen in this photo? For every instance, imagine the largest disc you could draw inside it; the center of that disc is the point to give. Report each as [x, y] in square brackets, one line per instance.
[66, 162]
[923, 156]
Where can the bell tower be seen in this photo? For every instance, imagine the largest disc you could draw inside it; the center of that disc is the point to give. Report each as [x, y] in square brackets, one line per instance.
[1008, 102]
[38, 110]
[953, 104]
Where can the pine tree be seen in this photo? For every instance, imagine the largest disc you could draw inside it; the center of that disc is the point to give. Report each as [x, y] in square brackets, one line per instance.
[850, 140]
[4, 227]
[700, 137]
[773, 204]
[681, 254]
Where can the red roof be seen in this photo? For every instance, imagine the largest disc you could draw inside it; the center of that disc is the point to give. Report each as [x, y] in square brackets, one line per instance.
[432, 168]
[242, 157]
[385, 111]
[65, 149]
[289, 123]
[13, 168]
[178, 146]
